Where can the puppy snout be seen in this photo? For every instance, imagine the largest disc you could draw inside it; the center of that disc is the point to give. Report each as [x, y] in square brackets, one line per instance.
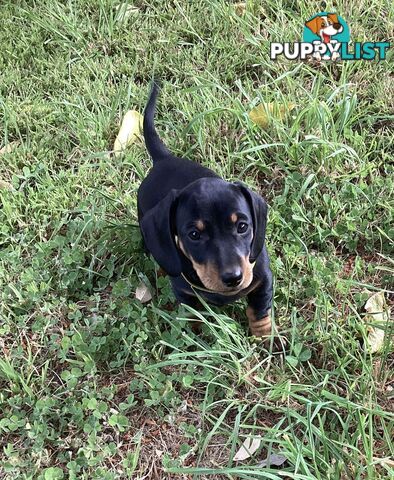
[232, 278]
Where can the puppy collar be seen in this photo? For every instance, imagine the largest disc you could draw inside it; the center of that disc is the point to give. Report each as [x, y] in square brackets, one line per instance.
[203, 289]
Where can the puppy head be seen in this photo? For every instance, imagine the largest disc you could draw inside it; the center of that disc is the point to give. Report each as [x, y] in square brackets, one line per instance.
[218, 226]
[325, 24]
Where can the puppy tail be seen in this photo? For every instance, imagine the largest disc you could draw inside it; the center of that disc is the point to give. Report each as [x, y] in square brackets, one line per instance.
[155, 146]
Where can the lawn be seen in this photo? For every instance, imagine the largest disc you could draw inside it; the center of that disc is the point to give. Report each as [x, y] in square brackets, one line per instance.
[95, 384]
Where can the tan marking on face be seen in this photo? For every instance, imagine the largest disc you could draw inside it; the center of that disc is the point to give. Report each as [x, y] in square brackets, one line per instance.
[209, 275]
[247, 270]
[200, 225]
[234, 217]
[259, 327]
[182, 248]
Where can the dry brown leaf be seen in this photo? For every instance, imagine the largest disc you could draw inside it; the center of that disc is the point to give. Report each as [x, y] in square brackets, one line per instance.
[377, 313]
[250, 445]
[9, 147]
[5, 185]
[240, 8]
[129, 130]
[142, 293]
[264, 112]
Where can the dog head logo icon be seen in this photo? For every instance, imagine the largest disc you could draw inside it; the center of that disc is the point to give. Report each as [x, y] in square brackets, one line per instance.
[326, 30]
[326, 36]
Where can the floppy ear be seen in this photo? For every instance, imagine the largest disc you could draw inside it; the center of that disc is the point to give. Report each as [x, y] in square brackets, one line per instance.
[157, 229]
[259, 209]
[333, 17]
[313, 25]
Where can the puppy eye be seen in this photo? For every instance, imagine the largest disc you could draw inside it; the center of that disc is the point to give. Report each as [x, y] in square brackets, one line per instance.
[242, 227]
[194, 235]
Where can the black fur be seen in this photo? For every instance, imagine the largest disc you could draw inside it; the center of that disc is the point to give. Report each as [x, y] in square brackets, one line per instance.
[174, 195]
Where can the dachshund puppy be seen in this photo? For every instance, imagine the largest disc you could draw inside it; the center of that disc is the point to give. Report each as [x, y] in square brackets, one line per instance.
[207, 234]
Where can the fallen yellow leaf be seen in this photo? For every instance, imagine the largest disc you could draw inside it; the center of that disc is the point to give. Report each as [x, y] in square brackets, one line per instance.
[130, 129]
[377, 313]
[264, 112]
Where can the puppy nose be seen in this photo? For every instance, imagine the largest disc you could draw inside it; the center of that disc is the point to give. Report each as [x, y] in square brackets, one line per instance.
[337, 26]
[232, 279]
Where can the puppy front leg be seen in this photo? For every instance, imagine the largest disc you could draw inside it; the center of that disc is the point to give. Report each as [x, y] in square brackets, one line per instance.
[260, 325]
[183, 296]
[259, 308]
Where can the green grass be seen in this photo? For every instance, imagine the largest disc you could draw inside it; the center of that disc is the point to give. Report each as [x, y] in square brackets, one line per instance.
[95, 385]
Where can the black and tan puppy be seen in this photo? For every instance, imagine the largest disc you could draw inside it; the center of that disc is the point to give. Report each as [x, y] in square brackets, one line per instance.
[206, 233]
